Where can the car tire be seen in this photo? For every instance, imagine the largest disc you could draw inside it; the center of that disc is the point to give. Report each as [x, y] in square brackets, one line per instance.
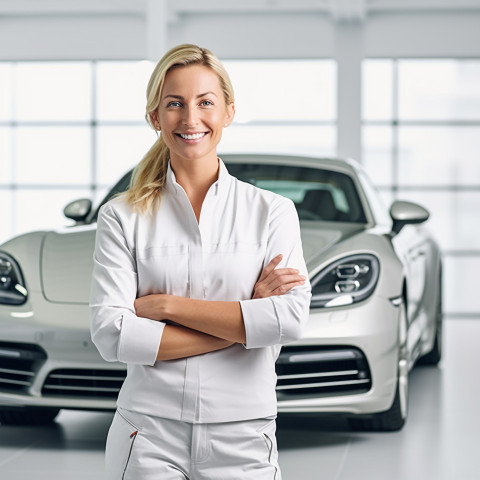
[435, 355]
[28, 415]
[395, 417]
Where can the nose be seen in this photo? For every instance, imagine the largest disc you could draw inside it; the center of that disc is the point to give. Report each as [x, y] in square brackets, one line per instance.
[190, 116]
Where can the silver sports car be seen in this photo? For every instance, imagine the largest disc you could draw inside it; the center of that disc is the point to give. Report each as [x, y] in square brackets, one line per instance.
[376, 307]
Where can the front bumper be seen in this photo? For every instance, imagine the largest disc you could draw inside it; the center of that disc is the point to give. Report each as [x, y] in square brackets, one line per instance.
[346, 362]
[370, 331]
[43, 354]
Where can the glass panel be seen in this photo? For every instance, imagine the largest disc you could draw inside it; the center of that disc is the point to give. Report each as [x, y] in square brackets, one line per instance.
[317, 194]
[313, 141]
[6, 230]
[451, 215]
[53, 91]
[377, 89]
[43, 209]
[120, 149]
[439, 155]
[439, 89]
[53, 155]
[6, 91]
[283, 89]
[460, 279]
[5, 155]
[377, 154]
[121, 88]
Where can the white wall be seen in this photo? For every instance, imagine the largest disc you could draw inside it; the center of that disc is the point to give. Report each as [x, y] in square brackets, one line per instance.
[444, 34]
[66, 37]
[125, 35]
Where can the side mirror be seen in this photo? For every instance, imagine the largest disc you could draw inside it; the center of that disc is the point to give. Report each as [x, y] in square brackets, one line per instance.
[405, 213]
[78, 210]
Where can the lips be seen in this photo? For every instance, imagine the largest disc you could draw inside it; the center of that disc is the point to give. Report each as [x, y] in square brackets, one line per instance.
[192, 136]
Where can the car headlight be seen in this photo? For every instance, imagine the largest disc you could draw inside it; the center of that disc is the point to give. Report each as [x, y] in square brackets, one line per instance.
[348, 280]
[12, 286]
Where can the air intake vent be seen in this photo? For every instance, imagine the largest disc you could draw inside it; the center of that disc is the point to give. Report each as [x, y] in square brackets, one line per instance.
[305, 372]
[19, 363]
[84, 383]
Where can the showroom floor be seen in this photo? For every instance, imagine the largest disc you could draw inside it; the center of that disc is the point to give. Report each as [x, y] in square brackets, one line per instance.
[439, 442]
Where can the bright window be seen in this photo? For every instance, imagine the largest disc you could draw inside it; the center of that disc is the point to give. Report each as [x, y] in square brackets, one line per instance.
[275, 113]
[53, 91]
[6, 91]
[52, 155]
[421, 132]
[72, 129]
[121, 90]
[284, 90]
[439, 90]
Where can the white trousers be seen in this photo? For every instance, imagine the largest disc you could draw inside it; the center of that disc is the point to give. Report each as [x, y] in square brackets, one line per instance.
[142, 447]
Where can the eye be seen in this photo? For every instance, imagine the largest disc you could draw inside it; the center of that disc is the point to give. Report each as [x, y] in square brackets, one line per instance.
[175, 103]
[206, 103]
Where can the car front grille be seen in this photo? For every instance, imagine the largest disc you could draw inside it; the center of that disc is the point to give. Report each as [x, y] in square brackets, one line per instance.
[303, 372]
[19, 363]
[309, 371]
[91, 383]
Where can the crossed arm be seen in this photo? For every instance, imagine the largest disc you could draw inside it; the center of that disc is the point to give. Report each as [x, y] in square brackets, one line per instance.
[206, 326]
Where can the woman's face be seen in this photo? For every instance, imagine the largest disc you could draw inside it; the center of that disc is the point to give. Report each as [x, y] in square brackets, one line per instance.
[192, 113]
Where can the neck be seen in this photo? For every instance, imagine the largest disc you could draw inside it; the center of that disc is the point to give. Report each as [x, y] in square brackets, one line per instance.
[196, 176]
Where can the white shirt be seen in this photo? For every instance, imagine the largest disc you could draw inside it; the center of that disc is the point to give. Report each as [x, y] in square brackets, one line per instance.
[220, 257]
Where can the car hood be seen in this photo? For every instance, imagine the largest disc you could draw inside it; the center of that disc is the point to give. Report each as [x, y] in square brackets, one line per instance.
[67, 263]
[318, 237]
[67, 257]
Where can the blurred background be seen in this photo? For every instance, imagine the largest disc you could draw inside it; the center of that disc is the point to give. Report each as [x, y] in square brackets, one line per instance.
[392, 84]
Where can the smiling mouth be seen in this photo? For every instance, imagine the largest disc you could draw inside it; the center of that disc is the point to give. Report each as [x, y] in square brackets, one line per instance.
[193, 136]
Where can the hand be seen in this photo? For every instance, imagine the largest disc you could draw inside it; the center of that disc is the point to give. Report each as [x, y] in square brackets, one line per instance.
[155, 307]
[277, 281]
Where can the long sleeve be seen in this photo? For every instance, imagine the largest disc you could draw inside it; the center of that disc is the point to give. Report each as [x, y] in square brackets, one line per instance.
[280, 319]
[117, 332]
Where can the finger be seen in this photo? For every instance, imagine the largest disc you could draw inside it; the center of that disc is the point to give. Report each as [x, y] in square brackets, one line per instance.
[270, 267]
[284, 280]
[278, 272]
[286, 287]
[279, 275]
[263, 292]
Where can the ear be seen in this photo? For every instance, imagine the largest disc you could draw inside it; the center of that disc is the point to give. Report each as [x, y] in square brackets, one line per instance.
[230, 114]
[154, 121]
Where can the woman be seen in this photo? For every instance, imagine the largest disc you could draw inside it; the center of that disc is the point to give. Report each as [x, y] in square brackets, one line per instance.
[186, 291]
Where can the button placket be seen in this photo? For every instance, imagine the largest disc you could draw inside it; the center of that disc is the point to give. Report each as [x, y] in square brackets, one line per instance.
[190, 401]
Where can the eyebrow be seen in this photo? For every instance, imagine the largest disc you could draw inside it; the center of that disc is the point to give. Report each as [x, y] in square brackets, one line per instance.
[179, 97]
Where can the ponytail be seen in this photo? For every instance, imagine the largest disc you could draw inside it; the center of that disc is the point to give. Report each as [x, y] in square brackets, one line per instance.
[148, 178]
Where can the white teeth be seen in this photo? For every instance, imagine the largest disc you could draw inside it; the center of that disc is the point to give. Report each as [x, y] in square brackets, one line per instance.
[192, 137]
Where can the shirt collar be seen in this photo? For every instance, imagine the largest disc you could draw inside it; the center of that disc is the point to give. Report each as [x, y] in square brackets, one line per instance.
[221, 184]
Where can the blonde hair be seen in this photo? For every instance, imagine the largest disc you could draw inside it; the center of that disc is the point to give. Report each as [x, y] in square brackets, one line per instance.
[148, 178]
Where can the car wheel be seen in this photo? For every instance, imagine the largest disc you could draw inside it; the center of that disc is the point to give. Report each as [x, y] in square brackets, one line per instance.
[394, 418]
[27, 415]
[435, 355]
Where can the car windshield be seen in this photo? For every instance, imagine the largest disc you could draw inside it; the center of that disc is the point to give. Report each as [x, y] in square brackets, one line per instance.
[318, 194]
